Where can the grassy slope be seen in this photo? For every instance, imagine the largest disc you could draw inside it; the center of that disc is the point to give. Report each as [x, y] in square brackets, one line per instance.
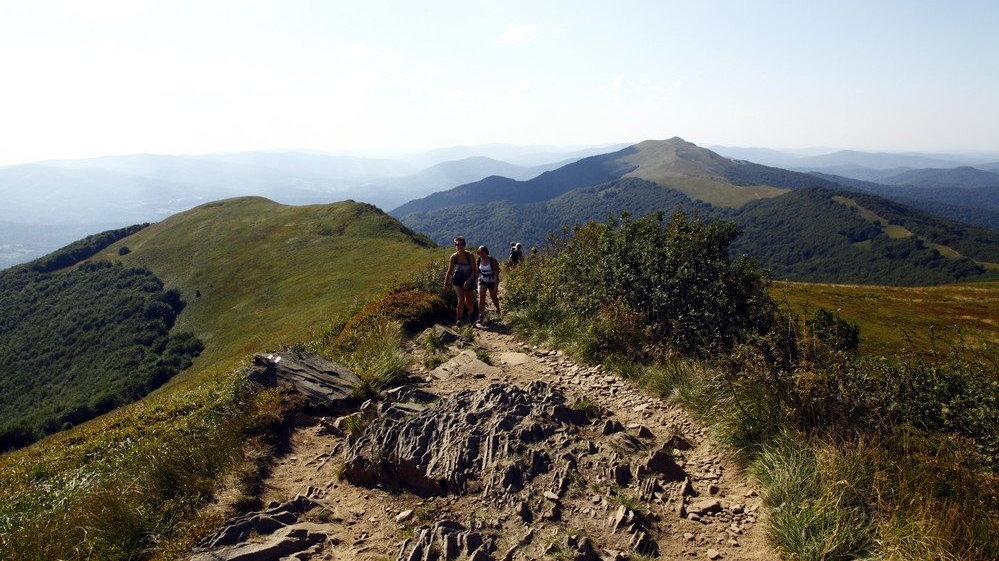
[269, 275]
[895, 320]
[697, 173]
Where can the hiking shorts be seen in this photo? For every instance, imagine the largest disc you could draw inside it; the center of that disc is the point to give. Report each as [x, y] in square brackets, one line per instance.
[487, 285]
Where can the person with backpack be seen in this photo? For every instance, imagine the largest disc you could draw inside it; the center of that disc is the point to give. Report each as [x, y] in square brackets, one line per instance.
[461, 278]
[489, 274]
[516, 255]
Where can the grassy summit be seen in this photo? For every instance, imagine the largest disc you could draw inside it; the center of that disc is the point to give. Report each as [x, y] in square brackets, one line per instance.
[257, 274]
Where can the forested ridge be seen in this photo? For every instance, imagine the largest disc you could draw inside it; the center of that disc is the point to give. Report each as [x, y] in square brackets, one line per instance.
[78, 342]
[802, 235]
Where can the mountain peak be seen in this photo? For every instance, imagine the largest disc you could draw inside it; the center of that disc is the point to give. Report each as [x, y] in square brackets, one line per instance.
[656, 159]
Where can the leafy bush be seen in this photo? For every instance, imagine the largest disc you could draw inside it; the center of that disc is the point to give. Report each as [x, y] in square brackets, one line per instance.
[677, 278]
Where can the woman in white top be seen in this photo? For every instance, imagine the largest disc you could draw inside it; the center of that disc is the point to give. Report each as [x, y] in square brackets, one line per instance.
[488, 272]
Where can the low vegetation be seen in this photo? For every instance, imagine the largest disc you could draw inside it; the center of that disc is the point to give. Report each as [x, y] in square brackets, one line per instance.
[859, 456]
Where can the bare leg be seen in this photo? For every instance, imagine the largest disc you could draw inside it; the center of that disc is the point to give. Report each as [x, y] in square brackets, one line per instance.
[470, 305]
[462, 295]
[495, 297]
[482, 302]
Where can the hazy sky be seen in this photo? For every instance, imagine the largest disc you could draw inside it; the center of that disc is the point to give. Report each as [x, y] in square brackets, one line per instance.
[81, 78]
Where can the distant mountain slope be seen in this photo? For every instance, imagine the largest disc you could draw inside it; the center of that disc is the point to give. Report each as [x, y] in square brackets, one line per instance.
[39, 194]
[248, 170]
[805, 233]
[674, 163]
[877, 160]
[144, 187]
[497, 223]
[20, 243]
[528, 156]
[975, 206]
[818, 235]
[448, 174]
[964, 177]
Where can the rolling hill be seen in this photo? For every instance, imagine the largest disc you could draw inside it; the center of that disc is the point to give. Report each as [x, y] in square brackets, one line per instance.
[978, 206]
[964, 177]
[792, 222]
[257, 274]
[240, 276]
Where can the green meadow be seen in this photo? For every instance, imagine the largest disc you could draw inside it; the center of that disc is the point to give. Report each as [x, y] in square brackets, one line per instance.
[919, 320]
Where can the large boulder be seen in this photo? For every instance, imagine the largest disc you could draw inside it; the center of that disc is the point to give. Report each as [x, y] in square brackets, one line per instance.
[326, 385]
[471, 440]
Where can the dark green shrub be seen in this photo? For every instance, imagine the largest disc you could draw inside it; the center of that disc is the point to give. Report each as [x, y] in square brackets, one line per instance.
[833, 331]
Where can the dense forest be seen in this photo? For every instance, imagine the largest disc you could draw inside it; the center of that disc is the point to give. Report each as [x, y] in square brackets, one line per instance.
[811, 237]
[77, 342]
[978, 206]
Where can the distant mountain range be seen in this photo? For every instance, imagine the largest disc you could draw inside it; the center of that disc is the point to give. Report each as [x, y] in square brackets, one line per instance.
[48, 204]
[854, 158]
[95, 194]
[802, 226]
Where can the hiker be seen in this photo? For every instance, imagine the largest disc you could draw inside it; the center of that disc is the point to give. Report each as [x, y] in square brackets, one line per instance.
[515, 255]
[489, 272]
[534, 252]
[460, 277]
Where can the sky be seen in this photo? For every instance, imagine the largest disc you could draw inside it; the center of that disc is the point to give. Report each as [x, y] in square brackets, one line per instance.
[82, 78]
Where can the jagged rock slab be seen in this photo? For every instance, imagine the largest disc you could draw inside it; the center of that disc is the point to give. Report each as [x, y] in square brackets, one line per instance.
[241, 528]
[326, 384]
[466, 442]
[446, 335]
[444, 541]
[284, 542]
[465, 365]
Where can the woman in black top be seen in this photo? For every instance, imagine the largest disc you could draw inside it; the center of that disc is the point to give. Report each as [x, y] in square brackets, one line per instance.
[461, 278]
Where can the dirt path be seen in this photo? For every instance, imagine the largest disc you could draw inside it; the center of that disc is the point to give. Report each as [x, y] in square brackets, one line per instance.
[715, 516]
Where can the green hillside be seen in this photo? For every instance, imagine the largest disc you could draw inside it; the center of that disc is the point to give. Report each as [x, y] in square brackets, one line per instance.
[255, 275]
[76, 342]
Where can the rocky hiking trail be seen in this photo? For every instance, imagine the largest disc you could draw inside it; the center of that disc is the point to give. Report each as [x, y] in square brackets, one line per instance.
[530, 457]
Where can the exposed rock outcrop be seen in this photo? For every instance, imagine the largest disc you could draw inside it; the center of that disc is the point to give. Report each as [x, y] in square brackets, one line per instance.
[462, 443]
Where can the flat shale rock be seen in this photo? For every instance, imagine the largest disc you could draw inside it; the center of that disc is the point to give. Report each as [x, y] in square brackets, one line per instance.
[324, 383]
[465, 365]
[466, 442]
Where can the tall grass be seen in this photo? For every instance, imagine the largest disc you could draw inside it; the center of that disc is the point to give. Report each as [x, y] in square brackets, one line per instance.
[145, 498]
